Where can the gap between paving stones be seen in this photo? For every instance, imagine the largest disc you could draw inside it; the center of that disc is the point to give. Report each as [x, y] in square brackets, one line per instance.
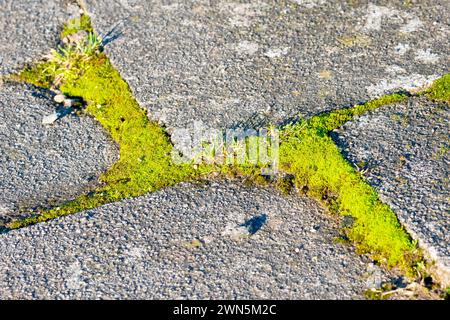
[307, 153]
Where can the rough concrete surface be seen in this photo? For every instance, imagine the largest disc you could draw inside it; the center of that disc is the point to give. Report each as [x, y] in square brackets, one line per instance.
[29, 29]
[227, 64]
[404, 152]
[253, 62]
[218, 240]
[41, 165]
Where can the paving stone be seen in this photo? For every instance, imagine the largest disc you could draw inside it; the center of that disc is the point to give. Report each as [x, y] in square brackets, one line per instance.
[404, 150]
[213, 240]
[29, 29]
[42, 165]
[249, 63]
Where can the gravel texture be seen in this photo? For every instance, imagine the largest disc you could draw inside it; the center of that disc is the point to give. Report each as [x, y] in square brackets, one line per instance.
[29, 29]
[253, 62]
[404, 150]
[215, 240]
[42, 165]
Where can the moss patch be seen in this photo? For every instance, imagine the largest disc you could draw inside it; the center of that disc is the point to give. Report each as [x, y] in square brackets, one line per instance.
[77, 24]
[307, 154]
[145, 162]
[309, 158]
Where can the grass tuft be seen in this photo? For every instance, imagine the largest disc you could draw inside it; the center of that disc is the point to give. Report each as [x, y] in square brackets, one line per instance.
[68, 62]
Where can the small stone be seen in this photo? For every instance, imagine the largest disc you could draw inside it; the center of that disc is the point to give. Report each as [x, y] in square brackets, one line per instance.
[348, 221]
[51, 118]
[275, 224]
[277, 52]
[59, 98]
[75, 38]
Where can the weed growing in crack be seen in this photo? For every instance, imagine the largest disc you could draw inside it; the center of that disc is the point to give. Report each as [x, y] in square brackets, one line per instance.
[67, 62]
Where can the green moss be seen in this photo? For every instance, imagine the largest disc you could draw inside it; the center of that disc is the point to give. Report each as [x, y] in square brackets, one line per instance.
[39, 75]
[371, 294]
[285, 184]
[307, 153]
[310, 155]
[309, 158]
[440, 90]
[145, 163]
[441, 152]
[66, 63]
[77, 24]
[326, 122]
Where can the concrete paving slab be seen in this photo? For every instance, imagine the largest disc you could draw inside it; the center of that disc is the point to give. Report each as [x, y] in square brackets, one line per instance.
[214, 240]
[43, 165]
[29, 29]
[249, 63]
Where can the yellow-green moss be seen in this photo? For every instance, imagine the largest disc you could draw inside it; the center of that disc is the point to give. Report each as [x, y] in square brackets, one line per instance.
[306, 152]
[440, 90]
[308, 156]
[77, 24]
[145, 163]
[38, 75]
